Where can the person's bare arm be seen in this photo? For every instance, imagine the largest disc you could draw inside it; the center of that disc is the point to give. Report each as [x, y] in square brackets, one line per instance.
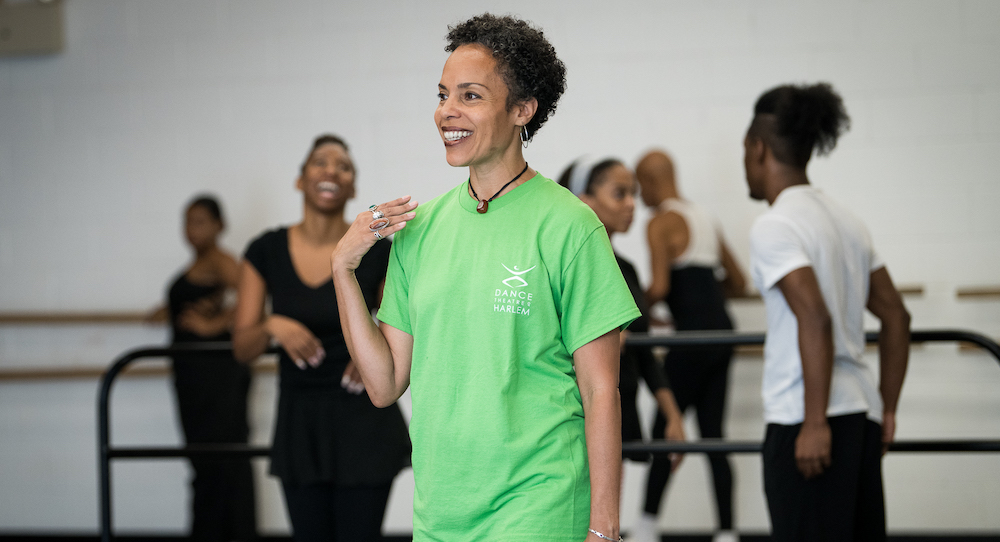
[249, 337]
[214, 315]
[597, 376]
[675, 422]
[252, 331]
[158, 315]
[667, 235]
[802, 293]
[735, 283]
[195, 320]
[886, 304]
[228, 269]
[382, 354]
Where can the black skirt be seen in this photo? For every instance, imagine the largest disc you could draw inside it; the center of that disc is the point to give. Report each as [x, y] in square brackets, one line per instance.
[323, 434]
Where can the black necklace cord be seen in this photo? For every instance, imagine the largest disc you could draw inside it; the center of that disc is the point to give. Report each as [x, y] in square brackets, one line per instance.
[484, 204]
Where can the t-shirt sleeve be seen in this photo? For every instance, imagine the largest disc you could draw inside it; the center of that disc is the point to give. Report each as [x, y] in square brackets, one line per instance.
[595, 298]
[875, 261]
[777, 250]
[256, 254]
[395, 308]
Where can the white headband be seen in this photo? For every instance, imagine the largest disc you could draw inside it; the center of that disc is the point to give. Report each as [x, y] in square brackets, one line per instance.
[580, 174]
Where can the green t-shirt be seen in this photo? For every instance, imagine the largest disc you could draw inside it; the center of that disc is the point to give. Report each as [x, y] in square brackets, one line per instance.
[497, 303]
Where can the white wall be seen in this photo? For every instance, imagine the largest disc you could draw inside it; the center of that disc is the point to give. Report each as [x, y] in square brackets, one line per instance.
[151, 102]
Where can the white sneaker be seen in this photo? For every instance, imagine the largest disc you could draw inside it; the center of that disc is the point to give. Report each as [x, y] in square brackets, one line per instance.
[726, 536]
[644, 530]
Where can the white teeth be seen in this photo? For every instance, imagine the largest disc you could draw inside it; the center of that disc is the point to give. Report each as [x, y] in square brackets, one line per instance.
[456, 135]
[327, 186]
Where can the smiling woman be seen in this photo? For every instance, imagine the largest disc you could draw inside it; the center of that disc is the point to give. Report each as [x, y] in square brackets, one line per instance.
[502, 306]
[335, 453]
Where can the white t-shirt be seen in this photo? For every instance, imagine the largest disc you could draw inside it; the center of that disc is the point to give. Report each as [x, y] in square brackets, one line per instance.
[805, 228]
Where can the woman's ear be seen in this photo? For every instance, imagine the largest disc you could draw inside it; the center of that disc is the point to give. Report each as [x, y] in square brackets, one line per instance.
[298, 183]
[525, 111]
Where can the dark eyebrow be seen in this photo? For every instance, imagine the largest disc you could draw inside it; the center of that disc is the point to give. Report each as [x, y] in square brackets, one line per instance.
[460, 85]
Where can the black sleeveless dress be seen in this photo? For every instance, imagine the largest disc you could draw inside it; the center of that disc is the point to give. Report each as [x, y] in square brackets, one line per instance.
[323, 434]
[212, 399]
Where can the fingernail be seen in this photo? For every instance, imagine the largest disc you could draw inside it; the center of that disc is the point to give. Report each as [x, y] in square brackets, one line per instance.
[345, 382]
[320, 353]
[314, 361]
[300, 363]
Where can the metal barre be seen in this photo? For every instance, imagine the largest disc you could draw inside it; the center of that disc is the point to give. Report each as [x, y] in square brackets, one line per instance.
[700, 339]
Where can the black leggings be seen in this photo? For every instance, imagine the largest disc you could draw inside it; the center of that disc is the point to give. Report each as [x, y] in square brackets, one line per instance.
[212, 399]
[327, 513]
[698, 378]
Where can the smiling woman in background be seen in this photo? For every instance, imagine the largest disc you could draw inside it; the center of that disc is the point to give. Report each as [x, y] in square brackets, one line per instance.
[502, 306]
[335, 453]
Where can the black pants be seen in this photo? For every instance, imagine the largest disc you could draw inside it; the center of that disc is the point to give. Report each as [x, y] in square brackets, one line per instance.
[212, 399]
[844, 503]
[698, 378]
[327, 513]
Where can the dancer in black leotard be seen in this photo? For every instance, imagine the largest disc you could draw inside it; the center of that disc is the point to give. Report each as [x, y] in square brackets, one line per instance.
[211, 388]
[685, 251]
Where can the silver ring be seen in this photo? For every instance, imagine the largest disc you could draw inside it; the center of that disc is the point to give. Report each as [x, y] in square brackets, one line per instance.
[376, 214]
[372, 207]
[378, 235]
[378, 224]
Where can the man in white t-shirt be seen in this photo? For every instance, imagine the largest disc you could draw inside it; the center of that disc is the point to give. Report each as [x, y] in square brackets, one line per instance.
[830, 418]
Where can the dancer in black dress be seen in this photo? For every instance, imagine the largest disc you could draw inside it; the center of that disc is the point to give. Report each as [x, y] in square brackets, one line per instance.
[334, 451]
[211, 388]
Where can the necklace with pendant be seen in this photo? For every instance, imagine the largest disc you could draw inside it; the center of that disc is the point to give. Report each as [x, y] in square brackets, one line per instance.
[484, 204]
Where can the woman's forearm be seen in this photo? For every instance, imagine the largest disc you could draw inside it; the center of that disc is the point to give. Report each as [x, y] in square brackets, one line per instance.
[668, 406]
[597, 371]
[385, 380]
[250, 341]
[221, 323]
[602, 412]
[250, 336]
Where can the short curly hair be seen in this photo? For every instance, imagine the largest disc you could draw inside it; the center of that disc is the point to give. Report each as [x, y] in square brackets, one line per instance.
[526, 61]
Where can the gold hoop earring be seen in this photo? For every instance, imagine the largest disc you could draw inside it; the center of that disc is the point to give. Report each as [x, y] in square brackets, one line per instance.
[524, 137]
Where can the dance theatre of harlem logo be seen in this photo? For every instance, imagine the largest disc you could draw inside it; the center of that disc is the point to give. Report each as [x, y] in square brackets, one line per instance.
[513, 298]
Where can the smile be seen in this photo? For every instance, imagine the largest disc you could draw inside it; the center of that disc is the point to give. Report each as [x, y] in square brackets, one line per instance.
[328, 187]
[455, 135]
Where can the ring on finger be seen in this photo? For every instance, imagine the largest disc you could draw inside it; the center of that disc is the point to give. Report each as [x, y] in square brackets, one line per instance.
[378, 235]
[376, 214]
[378, 224]
[372, 207]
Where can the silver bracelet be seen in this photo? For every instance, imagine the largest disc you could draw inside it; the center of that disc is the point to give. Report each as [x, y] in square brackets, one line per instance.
[602, 535]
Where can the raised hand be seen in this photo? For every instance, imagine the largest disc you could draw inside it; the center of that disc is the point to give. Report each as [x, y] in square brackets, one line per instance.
[371, 225]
